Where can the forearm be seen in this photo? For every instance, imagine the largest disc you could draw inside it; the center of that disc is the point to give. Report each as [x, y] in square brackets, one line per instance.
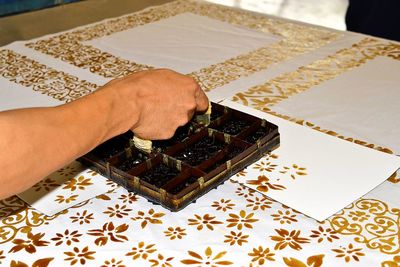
[35, 142]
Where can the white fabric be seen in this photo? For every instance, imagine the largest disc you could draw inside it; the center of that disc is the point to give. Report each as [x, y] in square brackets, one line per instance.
[185, 42]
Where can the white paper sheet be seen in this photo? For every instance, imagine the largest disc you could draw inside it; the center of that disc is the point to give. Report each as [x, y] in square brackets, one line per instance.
[184, 43]
[315, 173]
[362, 103]
[65, 188]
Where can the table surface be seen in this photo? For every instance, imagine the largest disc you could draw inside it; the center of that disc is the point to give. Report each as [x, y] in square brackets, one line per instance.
[233, 225]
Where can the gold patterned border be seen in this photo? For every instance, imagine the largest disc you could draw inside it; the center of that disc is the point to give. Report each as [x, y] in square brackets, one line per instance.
[295, 40]
[264, 96]
[30, 73]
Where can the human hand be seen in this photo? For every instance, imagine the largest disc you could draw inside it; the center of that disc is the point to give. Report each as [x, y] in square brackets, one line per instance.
[160, 101]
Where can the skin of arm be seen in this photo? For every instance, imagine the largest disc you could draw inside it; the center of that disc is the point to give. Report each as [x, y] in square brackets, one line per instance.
[35, 142]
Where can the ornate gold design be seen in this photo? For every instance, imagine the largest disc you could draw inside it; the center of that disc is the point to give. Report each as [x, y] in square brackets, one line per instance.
[17, 217]
[313, 261]
[207, 220]
[349, 252]
[260, 255]
[295, 40]
[30, 73]
[151, 217]
[81, 256]
[291, 239]
[208, 258]
[380, 231]
[109, 232]
[265, 96]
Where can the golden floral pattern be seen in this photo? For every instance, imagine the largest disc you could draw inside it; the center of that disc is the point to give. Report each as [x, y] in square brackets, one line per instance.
[223, 205]
[109, 232]
[236, 238]
[206, 220]
[208, 259]
[79, 183]
[69, 46]
[113, 263]
[151, 217]
[380, 232]
[291, 239]
[82, 218]
[118, 211]
[241, 220]
[370, 225]
[285, 216]
[265, 96]
[349, 252]
[313, 261]
[141, 251]
[29, 73]
[81, 256]
[263, 184]
[29, 245]
[262, 203]
[294, 171]
[61, 199]
[174, 233]
[67, 237]
[161, 261]
[261, 255]
[324, 234]
[45, 185]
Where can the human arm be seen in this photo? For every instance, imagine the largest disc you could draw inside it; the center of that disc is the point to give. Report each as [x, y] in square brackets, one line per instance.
[37, 141]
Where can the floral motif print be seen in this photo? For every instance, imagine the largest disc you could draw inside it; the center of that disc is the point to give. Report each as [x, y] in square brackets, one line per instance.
[324, 233]
[223, 205]
[129, 198]
[392, 263]
[261, 255]
[117, 211]
[38, 263]
[141, 251]
[236, 238]
[61, 199]
[109, 231]
[152, 217]
[45, 185]
[34, 240]
[284, 217]
[359, 216]
[241, 219]
[313, 261]
[67, 237]
[81, 256]
[85, 217]
[291, 239]
[207, 260]
[264, 185]
[69, 170]
[113, 263]
[244, 191]
[259, 203]
[80, 183]
[294, 171]
[161, 261]
[174, 233]
[207, 220]
[349, 253]
[265, 166]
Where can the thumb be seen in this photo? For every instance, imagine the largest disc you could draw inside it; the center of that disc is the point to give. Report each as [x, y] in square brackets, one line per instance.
[201, 101]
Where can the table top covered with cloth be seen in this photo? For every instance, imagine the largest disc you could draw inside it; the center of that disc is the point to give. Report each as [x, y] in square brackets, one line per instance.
[341, 84]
